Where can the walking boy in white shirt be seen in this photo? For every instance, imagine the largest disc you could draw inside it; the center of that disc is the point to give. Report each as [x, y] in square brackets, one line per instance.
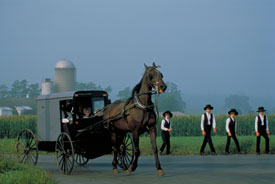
[231, 126]
[208, 122]
[261, 128]
[166, 127]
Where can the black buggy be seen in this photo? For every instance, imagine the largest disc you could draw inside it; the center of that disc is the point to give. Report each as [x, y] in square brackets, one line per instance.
[63, 128]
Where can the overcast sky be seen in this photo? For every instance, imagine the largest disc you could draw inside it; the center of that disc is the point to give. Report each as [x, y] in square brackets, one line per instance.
[204, 46]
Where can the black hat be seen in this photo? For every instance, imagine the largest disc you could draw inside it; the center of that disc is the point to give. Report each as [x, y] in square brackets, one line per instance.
[261, 109]
[168, 112]
[208, 106]
[234, 111]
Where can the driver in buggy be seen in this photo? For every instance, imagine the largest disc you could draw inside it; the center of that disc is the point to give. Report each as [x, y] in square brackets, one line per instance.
[67, 119]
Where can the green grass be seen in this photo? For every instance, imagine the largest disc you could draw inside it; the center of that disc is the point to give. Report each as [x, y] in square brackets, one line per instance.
[179, 145]
[12, 172]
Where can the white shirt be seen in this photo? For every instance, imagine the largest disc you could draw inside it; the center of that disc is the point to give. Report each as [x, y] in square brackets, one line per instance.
[208, 117]
[227, 124]
[163, 122]
[262, 119]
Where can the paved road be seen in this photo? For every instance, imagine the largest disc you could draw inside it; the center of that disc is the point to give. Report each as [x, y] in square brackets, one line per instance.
[179, 169]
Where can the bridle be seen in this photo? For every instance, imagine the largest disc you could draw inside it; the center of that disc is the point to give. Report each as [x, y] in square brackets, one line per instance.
[155, 92]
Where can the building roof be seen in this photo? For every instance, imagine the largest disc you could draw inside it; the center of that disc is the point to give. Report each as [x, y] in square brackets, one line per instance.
[56, 95]
[64, 64]
[5, 109]
[22, 108]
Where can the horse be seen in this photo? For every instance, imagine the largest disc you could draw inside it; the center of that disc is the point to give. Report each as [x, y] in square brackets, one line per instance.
[139, 117]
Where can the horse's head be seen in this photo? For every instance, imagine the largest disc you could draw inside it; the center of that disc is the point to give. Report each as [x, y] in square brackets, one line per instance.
[154, 78]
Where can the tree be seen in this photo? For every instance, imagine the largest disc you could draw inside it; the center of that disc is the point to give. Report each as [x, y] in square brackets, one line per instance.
[19, 88]
[34, 90]
[171, 99]
[239, 102]
[108, 89]
[124, 93]
[4, 91]
[81, 86]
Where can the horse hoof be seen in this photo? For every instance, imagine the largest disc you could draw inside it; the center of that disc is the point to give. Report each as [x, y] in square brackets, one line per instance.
[127, 172]
[160, 172]
[115, 171]
[132, 168]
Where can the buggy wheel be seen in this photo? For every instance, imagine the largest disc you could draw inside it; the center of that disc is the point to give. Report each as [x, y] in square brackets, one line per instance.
[26, 147]
[126, 151]
[80, 159]
[64, 153]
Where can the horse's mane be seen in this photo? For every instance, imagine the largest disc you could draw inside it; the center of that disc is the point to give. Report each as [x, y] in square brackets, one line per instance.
[136, 88]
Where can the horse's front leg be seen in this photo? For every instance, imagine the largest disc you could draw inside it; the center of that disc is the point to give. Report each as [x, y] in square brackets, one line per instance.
[153, 133]
[137, 151]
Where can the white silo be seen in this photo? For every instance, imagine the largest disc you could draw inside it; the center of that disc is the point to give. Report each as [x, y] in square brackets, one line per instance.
[47, 87]
[65, 76]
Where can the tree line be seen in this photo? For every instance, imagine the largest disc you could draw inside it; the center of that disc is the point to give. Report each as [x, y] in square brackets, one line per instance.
[171, 100]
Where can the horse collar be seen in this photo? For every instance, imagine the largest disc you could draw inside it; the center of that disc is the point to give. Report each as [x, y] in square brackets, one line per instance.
[140, 105]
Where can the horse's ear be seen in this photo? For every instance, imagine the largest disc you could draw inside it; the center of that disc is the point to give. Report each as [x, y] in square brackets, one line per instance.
[146, 66]
[155, 66]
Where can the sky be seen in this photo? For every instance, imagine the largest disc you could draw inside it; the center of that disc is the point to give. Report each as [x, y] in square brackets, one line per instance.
[204, 46]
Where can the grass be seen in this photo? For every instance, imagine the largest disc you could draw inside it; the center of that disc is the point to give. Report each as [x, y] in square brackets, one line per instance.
[12, 172]
[185, 145]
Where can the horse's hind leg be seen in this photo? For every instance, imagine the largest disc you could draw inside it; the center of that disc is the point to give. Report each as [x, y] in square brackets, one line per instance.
[137, 151]
[152, 132]
[114, 163]
[116, 144]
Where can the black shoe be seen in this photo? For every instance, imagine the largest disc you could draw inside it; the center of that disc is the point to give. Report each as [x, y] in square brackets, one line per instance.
[202, 153]
[168, 153]
[258, 153]
[226, 153]
[267, 152]
[160, 152]
[213, 153]
[240, 152]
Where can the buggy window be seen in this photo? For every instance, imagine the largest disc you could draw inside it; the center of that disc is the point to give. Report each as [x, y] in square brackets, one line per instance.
[98, 103]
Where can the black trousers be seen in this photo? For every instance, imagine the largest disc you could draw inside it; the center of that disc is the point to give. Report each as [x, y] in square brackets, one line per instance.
[166, 141]
[233, 136]
[264, 134]
[207, 139]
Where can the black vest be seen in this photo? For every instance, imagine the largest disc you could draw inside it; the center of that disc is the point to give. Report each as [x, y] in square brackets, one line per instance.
[260, 126]
[206, 126]
[232, 125]
[167, 124]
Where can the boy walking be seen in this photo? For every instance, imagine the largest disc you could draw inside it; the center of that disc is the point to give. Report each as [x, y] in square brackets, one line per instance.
[166, 127]
[261, 128]
[231, 127]
[208, 122]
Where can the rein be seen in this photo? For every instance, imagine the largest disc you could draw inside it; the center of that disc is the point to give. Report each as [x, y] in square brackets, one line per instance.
[148, 107]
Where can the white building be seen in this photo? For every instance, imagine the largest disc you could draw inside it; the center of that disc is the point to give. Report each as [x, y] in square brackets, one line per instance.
[5, 111]
[22, 109]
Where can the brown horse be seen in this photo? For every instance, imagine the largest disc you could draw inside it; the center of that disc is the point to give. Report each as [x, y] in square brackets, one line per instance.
[140, 116]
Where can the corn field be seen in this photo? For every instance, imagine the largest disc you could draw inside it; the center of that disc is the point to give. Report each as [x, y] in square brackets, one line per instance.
[188, 125]
[10, 126]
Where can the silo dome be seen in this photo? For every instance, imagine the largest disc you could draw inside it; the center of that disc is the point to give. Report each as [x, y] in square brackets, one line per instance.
[65, 76]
